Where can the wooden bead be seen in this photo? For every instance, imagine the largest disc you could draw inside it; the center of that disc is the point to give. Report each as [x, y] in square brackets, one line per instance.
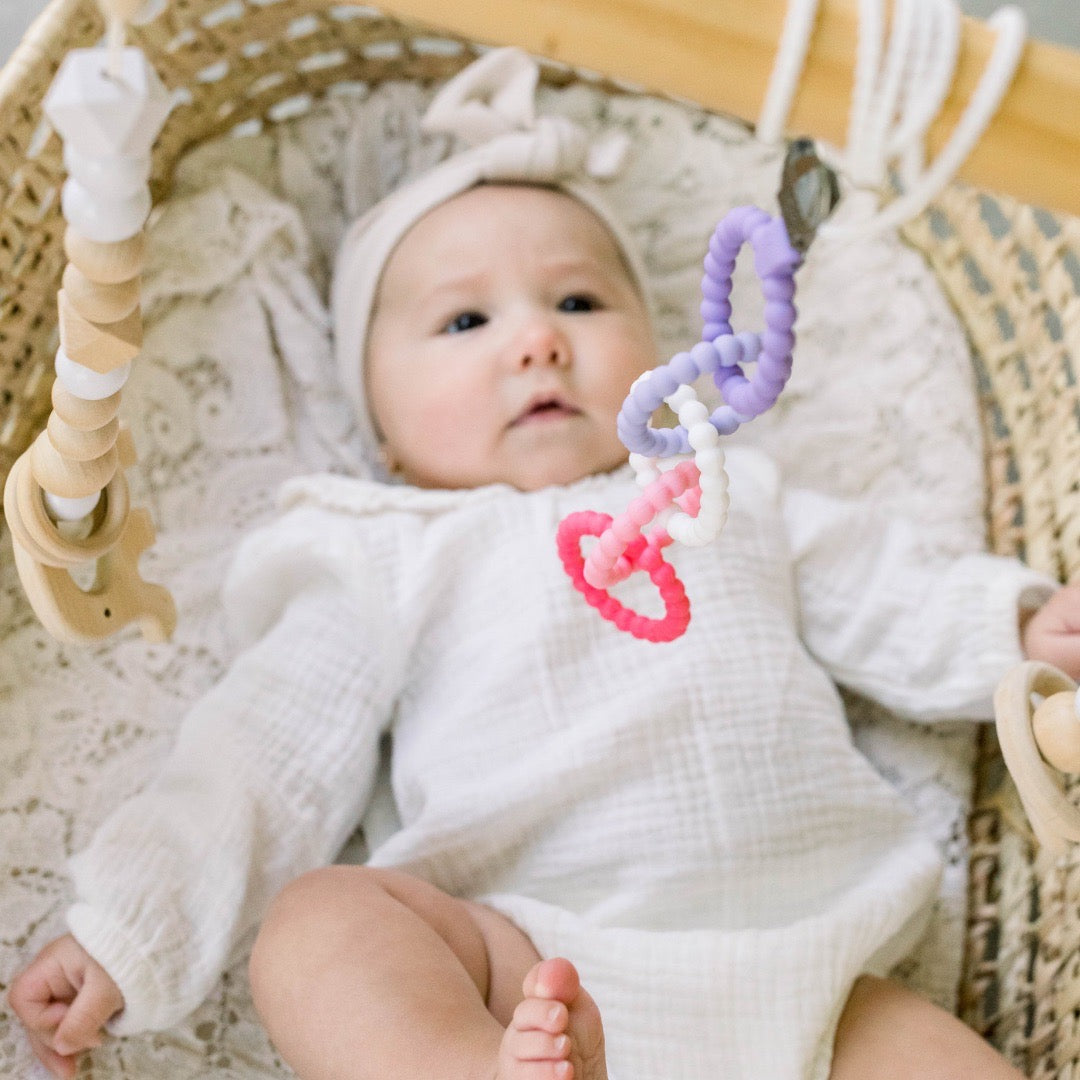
[107, 264]
[80, 413]
[1057, 731]
[82, 445]
[100, 303]
[66, 478]
[102, 347]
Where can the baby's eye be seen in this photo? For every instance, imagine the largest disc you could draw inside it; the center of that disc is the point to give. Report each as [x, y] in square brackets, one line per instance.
[578, 302]
[467, 320]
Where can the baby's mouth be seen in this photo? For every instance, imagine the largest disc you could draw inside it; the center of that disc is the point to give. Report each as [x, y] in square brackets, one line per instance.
[544, 410]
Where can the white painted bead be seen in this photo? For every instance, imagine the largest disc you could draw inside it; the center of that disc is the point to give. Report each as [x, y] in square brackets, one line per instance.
[105, 221]
[84, 382]
[61, 509]
[105, 114]
[114, 177]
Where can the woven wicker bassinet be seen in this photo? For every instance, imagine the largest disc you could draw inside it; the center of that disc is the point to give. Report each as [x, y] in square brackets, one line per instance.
[1012, 273]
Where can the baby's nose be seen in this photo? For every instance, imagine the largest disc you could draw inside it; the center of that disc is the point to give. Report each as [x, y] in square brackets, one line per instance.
[540, 344]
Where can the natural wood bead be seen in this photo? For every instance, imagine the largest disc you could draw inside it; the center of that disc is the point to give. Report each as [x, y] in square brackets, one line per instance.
[100, 303]
[106, 264]
[1057, 731]
[66, 478]
[80, 413]
[81, 445]
[102, 347]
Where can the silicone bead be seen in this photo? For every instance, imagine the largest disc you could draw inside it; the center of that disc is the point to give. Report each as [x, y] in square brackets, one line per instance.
[85, 383]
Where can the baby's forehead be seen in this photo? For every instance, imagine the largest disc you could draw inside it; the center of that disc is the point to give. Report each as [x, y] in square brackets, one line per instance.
[540, 224]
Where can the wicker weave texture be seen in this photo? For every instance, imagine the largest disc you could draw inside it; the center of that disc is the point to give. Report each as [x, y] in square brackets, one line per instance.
[1012, 273]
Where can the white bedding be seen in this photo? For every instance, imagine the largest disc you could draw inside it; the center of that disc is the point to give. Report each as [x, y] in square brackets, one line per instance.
[235, 392]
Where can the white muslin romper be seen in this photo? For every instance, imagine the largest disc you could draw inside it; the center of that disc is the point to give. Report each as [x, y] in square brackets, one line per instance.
[688, 822]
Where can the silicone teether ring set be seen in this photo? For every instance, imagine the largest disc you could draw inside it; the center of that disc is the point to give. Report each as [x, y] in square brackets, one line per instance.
[689, 502]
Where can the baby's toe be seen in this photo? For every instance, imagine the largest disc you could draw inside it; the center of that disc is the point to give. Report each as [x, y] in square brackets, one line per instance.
[538, 1014]
[556, 980]
[537, 1046]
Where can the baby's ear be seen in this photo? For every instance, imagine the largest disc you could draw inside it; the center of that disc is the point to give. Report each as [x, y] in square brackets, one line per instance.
[388, 460]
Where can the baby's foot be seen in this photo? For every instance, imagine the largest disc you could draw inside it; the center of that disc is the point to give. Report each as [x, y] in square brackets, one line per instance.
[556, 1033]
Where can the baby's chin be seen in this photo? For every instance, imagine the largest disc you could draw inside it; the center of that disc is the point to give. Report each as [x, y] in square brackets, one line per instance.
[555, 473]
[530, 472]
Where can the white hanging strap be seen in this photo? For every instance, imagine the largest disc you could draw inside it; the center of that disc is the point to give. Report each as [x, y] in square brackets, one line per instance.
[115, 36]
[902, 79]
[787, 69]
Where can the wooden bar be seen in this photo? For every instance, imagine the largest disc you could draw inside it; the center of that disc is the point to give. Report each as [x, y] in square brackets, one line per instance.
[720, 53]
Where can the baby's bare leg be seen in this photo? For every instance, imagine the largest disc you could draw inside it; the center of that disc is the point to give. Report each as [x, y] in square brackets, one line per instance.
[362, 973]
[887, 1032]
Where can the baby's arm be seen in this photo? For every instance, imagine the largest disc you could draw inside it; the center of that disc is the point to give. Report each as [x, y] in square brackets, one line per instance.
[269, 774]
[928, 635]
[64, 998]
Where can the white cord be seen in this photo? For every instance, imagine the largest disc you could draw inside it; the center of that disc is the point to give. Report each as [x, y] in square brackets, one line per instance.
[787, 69]
[115, 35]
[902, 78]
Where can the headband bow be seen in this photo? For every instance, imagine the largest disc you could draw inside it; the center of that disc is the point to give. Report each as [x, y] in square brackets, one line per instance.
[492, 105]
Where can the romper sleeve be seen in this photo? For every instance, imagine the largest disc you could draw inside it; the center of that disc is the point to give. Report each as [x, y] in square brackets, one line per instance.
[269, 774]
[926, 634]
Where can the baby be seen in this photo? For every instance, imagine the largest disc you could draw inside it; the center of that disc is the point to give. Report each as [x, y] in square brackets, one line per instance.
[689, 823]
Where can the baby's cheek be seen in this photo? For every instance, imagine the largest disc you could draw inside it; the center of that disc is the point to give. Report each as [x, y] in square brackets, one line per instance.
[446, 420]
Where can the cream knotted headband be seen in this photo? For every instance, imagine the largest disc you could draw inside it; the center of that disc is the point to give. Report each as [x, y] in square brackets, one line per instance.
[490, 106]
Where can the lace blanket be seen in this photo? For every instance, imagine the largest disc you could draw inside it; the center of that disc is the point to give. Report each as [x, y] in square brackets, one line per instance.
[235, 392]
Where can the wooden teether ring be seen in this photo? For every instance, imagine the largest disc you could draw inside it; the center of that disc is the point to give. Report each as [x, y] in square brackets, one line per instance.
[34, 531]
[1053, 817]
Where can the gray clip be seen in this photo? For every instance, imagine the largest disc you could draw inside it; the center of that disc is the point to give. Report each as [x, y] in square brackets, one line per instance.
[808, 193]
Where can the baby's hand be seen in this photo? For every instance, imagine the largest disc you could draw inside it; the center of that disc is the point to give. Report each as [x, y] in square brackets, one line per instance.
[1052, 634]
[63, 998]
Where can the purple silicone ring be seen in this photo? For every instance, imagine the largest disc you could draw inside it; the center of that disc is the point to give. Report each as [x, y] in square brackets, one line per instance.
[721, 351]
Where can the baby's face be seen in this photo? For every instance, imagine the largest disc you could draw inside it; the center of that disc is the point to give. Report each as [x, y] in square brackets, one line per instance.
[505, 336]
